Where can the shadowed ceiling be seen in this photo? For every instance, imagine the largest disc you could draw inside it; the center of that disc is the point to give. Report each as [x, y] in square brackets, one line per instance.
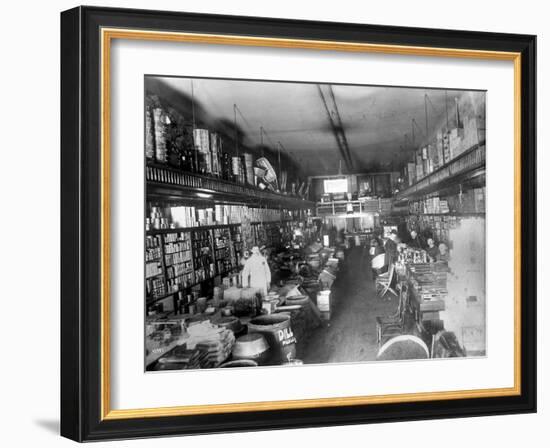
[364, 128]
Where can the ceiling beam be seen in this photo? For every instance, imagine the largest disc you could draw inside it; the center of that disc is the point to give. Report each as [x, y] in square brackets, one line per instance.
[336, 125]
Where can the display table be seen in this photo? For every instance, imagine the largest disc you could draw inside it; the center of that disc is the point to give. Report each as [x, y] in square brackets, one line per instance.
[427, 288]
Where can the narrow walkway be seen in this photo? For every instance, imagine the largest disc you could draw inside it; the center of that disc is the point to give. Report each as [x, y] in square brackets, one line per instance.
[351, 336]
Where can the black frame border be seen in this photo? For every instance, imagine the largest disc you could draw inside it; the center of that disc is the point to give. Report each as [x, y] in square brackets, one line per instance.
[81, 223]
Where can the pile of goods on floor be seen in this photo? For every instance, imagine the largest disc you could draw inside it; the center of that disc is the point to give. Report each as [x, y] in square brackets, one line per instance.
[243, 326]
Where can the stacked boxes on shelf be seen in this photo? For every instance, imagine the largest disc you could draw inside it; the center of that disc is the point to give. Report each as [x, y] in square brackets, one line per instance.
[178, 217]
[237, 245]
[467, 202]
[274, 233]
[178, 260]
[411, 173]
[479, 200]
[455, 142]
[154, 281]
[183, 216]
[222, 250]
[447, 145]
[173, 141]
[470, 201]
[474, 131]
[437, 226]
[153, 250]
[203, 259]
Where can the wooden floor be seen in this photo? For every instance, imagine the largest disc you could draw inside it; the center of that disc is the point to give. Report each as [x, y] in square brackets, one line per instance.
[351, 334]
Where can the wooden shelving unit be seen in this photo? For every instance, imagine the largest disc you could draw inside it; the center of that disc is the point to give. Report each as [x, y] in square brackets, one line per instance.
[337, 208]
[169, 184]
[215, 249]
[456, 215]
[189, 257]
[465, 167]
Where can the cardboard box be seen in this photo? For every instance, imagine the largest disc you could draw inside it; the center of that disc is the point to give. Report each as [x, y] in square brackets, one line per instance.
[411, 173]
[479, 200]
[419, 172]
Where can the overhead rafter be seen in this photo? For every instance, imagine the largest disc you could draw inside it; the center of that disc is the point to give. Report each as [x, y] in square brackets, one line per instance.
[336, 125]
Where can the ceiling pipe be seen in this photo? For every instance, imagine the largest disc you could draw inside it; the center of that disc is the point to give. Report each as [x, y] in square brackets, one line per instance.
[340, 125]
[337, 127]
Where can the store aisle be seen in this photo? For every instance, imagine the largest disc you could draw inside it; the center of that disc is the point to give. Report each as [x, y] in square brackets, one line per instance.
[351, 336]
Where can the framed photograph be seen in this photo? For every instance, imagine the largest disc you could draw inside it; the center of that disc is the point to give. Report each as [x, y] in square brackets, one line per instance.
[277, 224]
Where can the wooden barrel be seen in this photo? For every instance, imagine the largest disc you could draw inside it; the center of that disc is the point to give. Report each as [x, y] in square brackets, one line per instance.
[278, 333]
[239, 363]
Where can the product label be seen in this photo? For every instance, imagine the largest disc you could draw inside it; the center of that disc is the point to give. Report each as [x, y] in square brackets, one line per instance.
[286, 336]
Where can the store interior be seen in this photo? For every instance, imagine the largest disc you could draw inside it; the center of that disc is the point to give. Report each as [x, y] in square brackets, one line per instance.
[289, 224]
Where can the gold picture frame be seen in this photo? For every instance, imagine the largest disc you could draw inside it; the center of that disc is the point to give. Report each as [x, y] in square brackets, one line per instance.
[107, 34]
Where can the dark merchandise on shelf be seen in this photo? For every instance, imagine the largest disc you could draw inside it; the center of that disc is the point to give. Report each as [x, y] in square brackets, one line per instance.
[215, 197]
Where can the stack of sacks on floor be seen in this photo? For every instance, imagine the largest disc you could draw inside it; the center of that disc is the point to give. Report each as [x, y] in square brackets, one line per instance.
[181, 358]
[216, 342]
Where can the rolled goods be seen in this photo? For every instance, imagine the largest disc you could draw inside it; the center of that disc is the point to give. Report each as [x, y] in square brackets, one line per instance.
[149, 136]
[259, 172]
[249, 168]
[160, 135]
[270, 176]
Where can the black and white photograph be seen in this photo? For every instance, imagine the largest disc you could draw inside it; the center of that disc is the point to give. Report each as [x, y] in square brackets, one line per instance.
[297, 223]
[275, 223]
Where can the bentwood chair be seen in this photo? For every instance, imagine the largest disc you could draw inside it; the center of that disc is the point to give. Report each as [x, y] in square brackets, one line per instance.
[393, 325]
[384, 282]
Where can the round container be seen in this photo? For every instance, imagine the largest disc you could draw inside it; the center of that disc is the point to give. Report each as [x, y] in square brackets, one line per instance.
[296, 300]
[239, 363]
[277, 331]
[252, 346]
[231, 323]
[227, 311]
